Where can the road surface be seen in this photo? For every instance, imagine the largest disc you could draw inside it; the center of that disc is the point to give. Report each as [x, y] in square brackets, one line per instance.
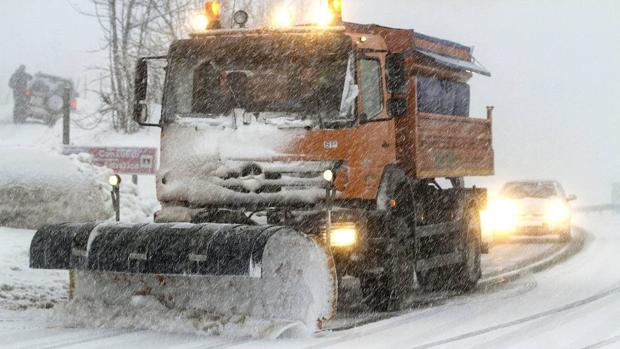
[574, 304]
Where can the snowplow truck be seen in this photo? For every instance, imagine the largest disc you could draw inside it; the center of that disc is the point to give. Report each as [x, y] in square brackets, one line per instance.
[291, 158]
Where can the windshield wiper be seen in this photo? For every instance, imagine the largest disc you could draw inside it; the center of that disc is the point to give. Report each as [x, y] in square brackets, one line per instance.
[319, 106]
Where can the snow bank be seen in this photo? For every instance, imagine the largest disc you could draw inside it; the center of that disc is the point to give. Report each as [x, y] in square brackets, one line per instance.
[38, 188]
[21, 287]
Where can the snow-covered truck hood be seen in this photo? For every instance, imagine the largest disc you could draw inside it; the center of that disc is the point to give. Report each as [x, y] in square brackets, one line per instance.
[206, 164]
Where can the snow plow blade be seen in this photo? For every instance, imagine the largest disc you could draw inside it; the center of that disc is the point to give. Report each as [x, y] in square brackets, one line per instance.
[264, 272]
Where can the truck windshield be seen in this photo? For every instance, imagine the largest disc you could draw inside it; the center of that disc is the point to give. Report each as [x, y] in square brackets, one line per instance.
[310, 90]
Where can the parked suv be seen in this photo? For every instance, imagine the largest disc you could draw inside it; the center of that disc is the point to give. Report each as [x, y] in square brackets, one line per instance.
[45, 97]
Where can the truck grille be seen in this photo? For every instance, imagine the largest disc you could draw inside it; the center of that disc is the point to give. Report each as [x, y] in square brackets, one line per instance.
[272, 177]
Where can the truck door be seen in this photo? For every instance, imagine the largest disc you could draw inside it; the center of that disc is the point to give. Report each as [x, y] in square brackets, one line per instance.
[374, 142]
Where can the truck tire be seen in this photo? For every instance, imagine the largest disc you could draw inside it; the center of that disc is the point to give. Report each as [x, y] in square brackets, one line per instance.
[468, 273]
[377, 291]
[434, 279]
[385, 290]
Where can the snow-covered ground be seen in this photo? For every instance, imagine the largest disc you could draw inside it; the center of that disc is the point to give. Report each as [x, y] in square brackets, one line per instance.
[21, 287]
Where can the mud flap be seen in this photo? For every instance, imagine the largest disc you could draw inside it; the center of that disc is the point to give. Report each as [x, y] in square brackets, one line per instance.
[264, 272]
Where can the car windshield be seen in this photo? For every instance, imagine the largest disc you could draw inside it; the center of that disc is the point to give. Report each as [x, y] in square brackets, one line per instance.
[312, 89]
[539, 190]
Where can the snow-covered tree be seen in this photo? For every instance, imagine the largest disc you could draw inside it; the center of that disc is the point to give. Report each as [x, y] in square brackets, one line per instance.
[135, 28]
[131, 29]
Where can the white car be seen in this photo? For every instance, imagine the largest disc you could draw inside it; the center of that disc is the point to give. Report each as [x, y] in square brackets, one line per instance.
[528, 208]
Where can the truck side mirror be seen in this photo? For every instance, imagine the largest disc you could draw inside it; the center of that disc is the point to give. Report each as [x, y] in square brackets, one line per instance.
[397, 106]
[140, 112]
[396, 78]
[140, 88]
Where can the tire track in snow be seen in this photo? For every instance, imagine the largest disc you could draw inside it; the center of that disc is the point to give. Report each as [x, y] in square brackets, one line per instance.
[63, 339]
[522, 320]
[604, 343]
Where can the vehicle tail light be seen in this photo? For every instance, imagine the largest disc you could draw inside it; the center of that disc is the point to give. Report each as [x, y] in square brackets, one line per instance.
[28, 93]
[73, 104]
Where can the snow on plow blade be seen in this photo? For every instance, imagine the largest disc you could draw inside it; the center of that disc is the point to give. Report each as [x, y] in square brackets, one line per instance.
[264, 272]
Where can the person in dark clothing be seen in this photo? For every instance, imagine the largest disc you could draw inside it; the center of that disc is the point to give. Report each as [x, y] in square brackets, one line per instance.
[19, 83]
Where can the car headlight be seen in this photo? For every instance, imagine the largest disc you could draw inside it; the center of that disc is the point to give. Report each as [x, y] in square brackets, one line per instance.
[501, 216]
[342, 235]
[557, 212]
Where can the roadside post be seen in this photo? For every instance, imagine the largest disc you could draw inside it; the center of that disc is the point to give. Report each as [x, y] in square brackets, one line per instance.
[115, 182]
[66, 115]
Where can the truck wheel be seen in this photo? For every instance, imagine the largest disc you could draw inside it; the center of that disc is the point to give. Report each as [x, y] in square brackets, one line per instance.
[434, 279]
[377, 291]
[468, 273]
[384, 291]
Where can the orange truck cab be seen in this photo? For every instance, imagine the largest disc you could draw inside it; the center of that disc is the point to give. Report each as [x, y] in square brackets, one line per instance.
[358, 134]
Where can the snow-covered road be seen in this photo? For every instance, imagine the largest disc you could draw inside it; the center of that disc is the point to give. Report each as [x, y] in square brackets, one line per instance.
[573, 304]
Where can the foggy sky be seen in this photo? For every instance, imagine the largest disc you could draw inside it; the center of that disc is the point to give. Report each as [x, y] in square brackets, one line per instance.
[555, 65]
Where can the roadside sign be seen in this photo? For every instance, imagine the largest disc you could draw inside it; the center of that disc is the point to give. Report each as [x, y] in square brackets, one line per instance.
[125, 160]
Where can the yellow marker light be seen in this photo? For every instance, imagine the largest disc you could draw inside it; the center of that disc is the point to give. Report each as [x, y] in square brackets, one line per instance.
[114, 180]
[283, 18]
[336, 5]
[215, 9]
[343, 236]
[336, 8]
[200, 22]
[557, 212]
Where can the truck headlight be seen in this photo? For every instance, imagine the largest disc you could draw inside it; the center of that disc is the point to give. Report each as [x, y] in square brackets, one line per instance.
[342, 235]
[557, 212]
